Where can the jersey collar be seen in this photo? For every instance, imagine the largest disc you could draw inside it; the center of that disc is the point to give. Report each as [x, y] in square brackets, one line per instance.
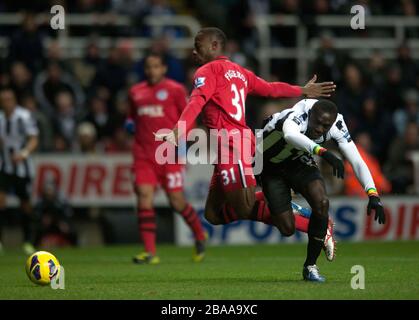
[221, 58]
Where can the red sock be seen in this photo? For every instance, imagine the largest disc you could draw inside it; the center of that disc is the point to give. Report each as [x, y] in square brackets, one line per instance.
[301, 222]
[259, 196]
[147, 229]
[191, 218]
[261, 210]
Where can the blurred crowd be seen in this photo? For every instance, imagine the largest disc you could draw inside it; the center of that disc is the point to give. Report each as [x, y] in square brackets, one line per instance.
[80, 104]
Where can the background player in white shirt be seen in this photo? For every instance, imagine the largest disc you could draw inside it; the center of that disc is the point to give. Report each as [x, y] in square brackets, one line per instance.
[18, 139]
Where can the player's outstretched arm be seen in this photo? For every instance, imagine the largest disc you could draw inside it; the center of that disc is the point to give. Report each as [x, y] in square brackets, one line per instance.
[363, 174]
[260, 87]
[185, 122]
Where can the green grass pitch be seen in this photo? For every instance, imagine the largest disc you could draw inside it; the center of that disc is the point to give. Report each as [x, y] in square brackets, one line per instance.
[228, 272]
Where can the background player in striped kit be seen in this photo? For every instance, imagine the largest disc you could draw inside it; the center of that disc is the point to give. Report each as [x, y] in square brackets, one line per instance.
[18, 139]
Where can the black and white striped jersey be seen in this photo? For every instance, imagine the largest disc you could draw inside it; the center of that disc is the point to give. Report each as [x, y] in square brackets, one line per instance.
[276, 150]
[14, 132]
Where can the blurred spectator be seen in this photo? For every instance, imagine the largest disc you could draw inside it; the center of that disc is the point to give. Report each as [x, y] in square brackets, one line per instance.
[120, 142]
[129, 7]
[21, 80]
[352, 94]
[234, 52]
[112, 73]
[87, 139]
[157, 9]
[64, 120]
[378, 124]
[392, 91]
[408, 67]
[55, 227]
[175, 68]
[399, 168]
[49, 83]
[26, 44]
[377, 69]
[61, 145]
[89, 6]
[329, 62]
[410, 113]
[98, 115]
[352, 185]
[44, 124]
[85, 68]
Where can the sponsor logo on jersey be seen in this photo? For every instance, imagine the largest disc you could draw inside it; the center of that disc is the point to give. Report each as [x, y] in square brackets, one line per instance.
[153, 111]
[347, 136]
[199, 82]
[162, 94]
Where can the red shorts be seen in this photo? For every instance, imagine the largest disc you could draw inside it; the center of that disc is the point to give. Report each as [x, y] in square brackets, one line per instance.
[233, 169]
[169, 176]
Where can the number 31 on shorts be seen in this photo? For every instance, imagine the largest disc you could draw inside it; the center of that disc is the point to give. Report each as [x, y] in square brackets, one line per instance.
[228, 176]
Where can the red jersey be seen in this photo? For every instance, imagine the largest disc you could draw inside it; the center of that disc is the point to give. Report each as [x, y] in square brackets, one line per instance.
[220, 90]
[154, 107]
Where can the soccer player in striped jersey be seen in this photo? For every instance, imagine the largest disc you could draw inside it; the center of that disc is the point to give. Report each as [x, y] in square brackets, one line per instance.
[290, 138]
[18, 139]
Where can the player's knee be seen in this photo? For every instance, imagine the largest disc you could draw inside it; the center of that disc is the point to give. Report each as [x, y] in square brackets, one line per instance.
[285, 226]
[144, 201]
[212, 217]
[287, 230]
[321, 208]
[177, 203]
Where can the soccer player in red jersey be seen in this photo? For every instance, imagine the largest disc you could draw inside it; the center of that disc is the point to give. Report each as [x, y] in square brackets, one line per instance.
[157, 103]
[220, 90]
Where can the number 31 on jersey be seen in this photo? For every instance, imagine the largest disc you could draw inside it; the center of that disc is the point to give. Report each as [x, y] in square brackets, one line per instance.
[238, 102]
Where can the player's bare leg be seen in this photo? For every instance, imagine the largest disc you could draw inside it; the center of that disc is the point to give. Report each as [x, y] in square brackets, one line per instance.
[27, 226]
[180, 205]
[214, 205]
[246, 204]
[146, 224]
[315, 194]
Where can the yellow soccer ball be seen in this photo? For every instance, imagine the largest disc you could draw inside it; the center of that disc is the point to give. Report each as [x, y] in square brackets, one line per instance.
[41, 267]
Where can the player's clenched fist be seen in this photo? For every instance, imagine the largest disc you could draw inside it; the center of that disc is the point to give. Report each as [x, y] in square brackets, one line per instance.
[169, 137]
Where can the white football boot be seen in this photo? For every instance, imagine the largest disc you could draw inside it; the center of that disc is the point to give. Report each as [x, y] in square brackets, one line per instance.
[329, 245]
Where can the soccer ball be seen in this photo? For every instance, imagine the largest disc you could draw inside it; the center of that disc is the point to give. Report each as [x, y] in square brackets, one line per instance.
[41, 267]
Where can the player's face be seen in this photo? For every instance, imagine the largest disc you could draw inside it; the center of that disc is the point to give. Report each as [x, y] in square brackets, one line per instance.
[204, 50]
[7, 100]
[154, 69]
[319, 123]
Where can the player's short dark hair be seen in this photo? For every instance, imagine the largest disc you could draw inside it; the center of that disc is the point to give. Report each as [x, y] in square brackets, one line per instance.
[158, 55]
[217, 33]
[325, 106]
